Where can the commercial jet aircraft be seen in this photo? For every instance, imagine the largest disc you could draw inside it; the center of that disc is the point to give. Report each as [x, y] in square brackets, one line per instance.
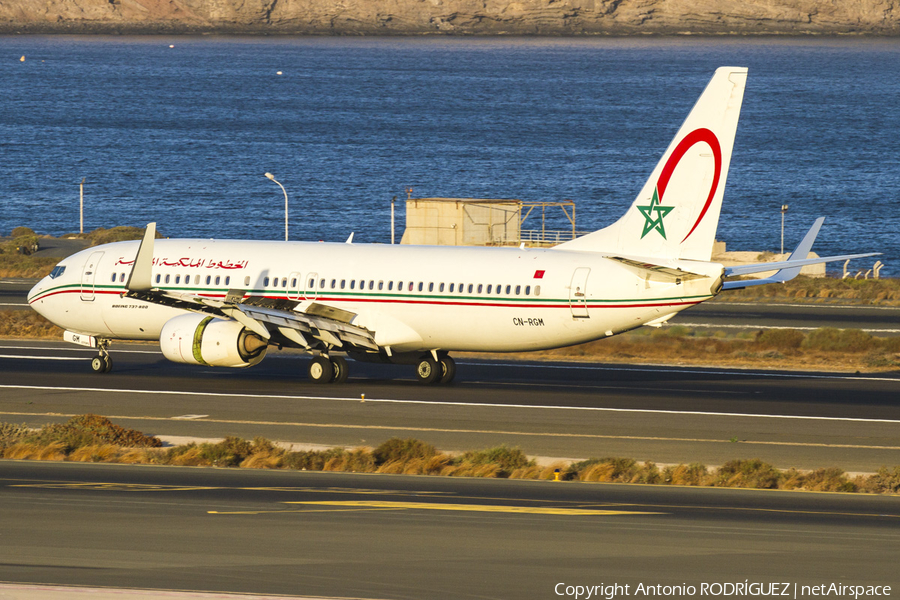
[224, 303]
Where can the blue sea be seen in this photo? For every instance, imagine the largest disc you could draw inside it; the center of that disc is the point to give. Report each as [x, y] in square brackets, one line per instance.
[180, 130]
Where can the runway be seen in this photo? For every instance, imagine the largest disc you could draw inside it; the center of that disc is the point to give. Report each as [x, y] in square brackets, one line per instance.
[400, 537]
[664, 414]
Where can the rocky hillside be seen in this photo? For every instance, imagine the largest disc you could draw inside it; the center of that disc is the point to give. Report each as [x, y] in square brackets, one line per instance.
[462, 17]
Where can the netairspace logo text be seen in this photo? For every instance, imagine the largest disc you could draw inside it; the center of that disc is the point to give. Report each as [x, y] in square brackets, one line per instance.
[728, 589]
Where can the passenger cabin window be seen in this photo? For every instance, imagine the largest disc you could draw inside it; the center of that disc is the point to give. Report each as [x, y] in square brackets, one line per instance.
[158, 278]
[333, 283]
[247, 280]
[196, 280]
[441, 289]
[421, 286]
[265, 281]
[380, 285]
[293, 282]
[451, 288]
[390, 285]
[489, 288]
[479, 288]
[518, 289]
[537, 290]
[352, 284]
[343, 283]
[470, 288]
[167, 278]
[217, 279]
[228, 281]
[114, 278]
[122, 278]
[322, 284]
[499, 289]
[411, 284]
[509, 287]
[431, 287]
[177, 279]
[527, 290]
[284, 282]
[312, 283]
[372, 284]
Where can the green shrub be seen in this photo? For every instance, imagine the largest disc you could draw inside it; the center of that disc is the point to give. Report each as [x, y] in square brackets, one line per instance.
[831, 479]
[828, 339]
[781, 339]
[312, 460]
[885, 481]
[752, 473]
[396, 449]
[88, 430]
[22, 232]
[11, 433]
[506, 459]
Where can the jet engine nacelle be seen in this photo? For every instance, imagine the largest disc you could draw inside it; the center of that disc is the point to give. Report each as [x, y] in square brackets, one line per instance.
[197, 339]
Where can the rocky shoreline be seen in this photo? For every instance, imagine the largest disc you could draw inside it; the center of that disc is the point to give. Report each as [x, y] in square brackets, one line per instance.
[453, 17]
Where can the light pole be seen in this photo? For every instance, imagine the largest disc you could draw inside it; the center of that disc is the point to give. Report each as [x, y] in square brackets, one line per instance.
[784, 208]
[272, 177]
[81, 206]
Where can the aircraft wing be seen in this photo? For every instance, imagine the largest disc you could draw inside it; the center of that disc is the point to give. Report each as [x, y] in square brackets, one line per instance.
[317, 326]
[786, 269]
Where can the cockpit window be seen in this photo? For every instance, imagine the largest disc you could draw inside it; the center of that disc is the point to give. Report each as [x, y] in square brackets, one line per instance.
[57, 271]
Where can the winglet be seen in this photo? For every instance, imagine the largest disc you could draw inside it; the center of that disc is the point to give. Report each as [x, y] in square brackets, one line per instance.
[140, 278]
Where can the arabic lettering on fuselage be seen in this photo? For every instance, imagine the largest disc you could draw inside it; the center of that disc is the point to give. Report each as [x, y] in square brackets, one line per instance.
[191, 263]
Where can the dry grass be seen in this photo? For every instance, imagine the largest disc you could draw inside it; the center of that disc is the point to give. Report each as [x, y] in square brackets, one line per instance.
[27, 324]
[822, 290]
[414, 457]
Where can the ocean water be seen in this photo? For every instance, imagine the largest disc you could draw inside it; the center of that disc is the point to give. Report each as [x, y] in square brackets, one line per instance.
[183, 135]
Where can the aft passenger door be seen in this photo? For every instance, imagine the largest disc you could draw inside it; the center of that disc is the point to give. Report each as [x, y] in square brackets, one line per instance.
[578, 293]
[89, 275]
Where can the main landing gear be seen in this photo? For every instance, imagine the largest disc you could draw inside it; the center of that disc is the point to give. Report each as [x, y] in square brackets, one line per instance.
[328, 369]
[430, 371]
[102, 363]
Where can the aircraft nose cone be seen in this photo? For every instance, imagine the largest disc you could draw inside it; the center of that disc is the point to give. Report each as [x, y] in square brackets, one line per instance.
[35, 292]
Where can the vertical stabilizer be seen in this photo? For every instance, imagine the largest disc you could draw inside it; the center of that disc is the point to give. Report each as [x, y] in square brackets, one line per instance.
[677, 211]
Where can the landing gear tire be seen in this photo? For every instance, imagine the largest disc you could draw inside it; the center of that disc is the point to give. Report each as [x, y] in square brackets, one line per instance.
[428, 371]
[341, 371]
[321, 370]
[448, 370]
[101, 364]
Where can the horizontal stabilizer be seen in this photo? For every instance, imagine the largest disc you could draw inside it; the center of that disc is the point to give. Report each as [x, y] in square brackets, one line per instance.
[786, 269]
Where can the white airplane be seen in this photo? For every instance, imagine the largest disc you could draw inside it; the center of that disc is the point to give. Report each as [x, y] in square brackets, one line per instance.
[223, 303]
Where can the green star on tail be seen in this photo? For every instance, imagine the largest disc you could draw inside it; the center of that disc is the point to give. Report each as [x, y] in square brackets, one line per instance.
[657, 222]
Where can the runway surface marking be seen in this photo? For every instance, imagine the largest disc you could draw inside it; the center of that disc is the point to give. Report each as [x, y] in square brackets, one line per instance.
[386, 505]
[627, 368]
[576, 508]
[41, 357]
[590, 436]
[656, 368]
[470, 405]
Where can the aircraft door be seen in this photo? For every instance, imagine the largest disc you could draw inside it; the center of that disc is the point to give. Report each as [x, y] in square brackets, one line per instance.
[88, 276]
[312, 289]
[296, 285]
[578, 293]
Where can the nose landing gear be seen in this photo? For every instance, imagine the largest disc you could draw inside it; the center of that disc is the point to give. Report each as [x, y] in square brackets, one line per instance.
[102, 363]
